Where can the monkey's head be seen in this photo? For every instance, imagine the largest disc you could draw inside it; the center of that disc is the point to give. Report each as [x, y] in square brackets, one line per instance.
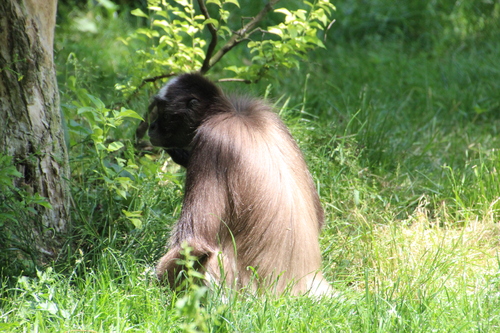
[181, 106]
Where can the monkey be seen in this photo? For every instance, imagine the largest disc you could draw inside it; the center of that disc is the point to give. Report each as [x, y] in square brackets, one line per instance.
[251, 213]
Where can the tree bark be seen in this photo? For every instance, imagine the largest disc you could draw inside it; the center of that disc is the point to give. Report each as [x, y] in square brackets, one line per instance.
[30, 120]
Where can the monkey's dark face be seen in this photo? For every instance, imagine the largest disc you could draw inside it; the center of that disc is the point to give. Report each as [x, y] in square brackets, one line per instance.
[174, 125]
[180, 107]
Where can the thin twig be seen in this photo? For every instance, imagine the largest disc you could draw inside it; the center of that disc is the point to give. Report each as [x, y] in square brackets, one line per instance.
[143, 83]
[235, 80]
[258, 30]
[240, 35]
[156, 78]
[213, 42]
[328, 28]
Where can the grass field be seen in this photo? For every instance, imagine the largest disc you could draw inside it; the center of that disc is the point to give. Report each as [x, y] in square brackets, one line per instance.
[402, 135]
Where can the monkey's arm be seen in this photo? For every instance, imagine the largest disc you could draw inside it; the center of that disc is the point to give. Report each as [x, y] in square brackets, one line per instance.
[204, 212]
[199, 223]
[179, 156]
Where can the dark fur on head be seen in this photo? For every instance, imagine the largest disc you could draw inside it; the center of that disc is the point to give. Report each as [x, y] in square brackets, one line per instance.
[249, 199]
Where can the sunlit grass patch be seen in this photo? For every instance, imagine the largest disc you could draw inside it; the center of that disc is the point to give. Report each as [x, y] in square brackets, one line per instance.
[422, 253]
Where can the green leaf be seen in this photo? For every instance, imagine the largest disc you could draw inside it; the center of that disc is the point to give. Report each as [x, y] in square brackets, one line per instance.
[136, 222]
[276, 31]
[148, 32]
[183, 3]
[212, 21]
[234, 69]
[215, 2]
[136, 213]
[126, 113]
[99, 145]
[85, 109]
[96, 101]
[300, 13]
[109, 5]
[292, 31]
[40, 200]
[234, 2]
[114, 146]
[121, 193]
[124, 181]
[134, 217]
[138, 12]
[283, 11]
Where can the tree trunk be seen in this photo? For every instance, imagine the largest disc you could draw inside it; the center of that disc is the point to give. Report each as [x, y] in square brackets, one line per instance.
[30, 123]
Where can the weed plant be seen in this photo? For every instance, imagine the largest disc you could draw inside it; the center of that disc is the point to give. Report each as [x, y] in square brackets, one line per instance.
[399, 120]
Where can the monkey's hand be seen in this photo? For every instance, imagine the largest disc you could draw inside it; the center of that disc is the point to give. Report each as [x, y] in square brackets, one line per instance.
[179, 156]
[170, 271]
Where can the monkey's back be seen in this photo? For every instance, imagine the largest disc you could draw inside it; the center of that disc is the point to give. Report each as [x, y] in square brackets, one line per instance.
[272, 211]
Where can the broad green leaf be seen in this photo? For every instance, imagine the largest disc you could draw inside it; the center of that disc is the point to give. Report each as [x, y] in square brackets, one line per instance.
[212, 21]
[283, 11]
[96, 101]
[292, 30]
[85, 109]
[125, 113]
[137, 213]
[234, 2]
[41, 200]
[136, 222]
[161, 23]
[184, 3]
[224, 15]
[148, 32]
[121, 193]
[138, 12]
[108, 4]
[99, 145]
[114, 146]
[300, 13]
[234, 69]
[215, 2]
[276, 31]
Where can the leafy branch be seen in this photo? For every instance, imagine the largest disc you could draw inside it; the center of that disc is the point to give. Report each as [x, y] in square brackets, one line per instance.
[237, 37]
[145, 81]
[178, 44]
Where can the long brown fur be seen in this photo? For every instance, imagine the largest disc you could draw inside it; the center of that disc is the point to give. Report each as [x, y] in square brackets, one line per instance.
[250, 200]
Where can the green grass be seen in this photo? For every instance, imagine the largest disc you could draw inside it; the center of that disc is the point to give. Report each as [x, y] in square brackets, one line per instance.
[402, 141]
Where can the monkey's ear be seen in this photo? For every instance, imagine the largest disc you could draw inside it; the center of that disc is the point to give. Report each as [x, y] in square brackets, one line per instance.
[192, 103]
